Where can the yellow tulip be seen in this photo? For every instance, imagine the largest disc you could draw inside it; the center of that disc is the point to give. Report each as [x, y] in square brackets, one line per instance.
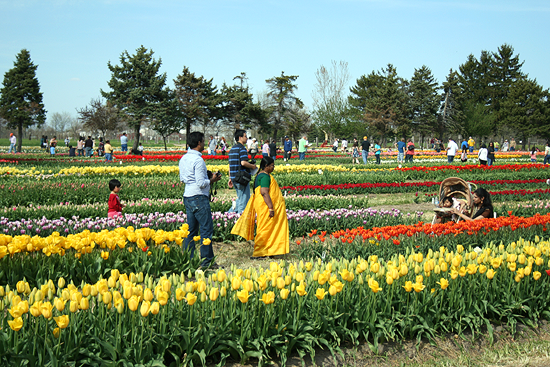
[512, 266]
[133, 303]
[418, 287]
[155, 308]
[527, 270]
[332, 290]
[61, 283]
[36, 309]
[235, 283]
[104, 255]
[454, 274]
[221, 275]
[148, 295]
[408, 286]
[320, 293]
[268, 298]
[482, 269]
[191, 299]
[46, 310]
[301, 289]
[536, 275]
[144, 309]
[309, 266]
[214, 293]
[180, 294]
[374, 286]
[496, 262]
[201, 286]
[206, 241]
[15, 312]
[62, 321]
[84, 303]
[162, 297]
[56, 332]
[462, 271]
[197, 238]
[491, 273]
[444, 283]
[16, 324]
[249, 284]
[472, 269]
[23, 306]
[284, 293]
[243, 295]
[73, 306]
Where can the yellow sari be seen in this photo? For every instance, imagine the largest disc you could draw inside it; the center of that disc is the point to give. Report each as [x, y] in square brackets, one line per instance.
[271, 233]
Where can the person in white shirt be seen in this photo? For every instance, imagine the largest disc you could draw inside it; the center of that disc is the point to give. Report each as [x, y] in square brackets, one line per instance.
[482, 154]
[452, 148]
[13, 141]
[344, 145]
[335, 145]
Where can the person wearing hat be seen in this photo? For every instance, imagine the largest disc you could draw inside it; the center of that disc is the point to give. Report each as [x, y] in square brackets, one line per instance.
[13, 140]
[365, 146]
[287, 146]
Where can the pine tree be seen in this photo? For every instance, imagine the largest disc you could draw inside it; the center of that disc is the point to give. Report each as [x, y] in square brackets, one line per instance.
[20, 97]
[382, 101]
[450, 110]
[527, 110]
[137, 89]
[197, 98]
[506, 70]
[425, 102]
[282, 101]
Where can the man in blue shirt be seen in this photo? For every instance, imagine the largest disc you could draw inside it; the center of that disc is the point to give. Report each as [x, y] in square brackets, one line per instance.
[124, 142]
[194, 175]
[464, 144]
[288, 148]
[401, 150]
[238, 160]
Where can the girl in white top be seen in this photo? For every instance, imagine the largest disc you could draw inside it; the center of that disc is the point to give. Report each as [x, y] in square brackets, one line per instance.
[482, 154]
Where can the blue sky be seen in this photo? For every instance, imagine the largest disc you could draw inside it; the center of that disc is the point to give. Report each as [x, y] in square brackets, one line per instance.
[71, 41]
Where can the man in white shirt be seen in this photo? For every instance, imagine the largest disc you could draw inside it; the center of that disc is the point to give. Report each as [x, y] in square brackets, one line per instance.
[194, 175]
[452, 148]
[344, 145]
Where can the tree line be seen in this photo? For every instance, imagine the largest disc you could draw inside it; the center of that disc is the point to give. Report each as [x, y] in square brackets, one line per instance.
[485, 96]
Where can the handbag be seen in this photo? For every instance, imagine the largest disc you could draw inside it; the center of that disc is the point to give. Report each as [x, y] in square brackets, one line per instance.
[243, 177]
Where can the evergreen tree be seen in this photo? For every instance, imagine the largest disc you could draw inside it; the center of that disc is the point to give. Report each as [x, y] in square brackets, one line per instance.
[506, 70]
[137, 89]
[451, 116]
[168, 119]
[527, 110]
[197, 98]
[382, 101]
[282, 101]
[238, 107]
[20, 97]
[425, 102]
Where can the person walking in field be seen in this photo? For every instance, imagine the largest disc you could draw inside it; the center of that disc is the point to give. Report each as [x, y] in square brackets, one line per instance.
[115, 206]
[13, 141]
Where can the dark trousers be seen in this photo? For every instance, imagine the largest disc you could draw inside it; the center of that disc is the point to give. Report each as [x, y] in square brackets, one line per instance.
[199, 218]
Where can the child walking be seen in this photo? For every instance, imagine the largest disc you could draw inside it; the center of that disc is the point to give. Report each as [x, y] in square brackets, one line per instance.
[115, 207]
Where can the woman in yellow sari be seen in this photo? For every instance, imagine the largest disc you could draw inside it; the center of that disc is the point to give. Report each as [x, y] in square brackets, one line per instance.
[266, 207]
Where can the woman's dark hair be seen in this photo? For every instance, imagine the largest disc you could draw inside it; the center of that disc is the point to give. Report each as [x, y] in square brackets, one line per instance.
[491, 144]
[483, 146]
[266, 161]
[533, 150]
[485, 196]
[113, 184]
[194, 139]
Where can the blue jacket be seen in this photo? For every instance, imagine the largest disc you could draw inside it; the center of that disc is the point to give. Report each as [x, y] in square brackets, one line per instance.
[288, 145]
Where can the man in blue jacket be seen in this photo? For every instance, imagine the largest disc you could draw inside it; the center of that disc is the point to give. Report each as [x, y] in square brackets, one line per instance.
[287, 148]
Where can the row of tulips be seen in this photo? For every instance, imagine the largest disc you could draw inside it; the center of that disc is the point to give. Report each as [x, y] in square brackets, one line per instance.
[146, 206]
[287, 308]
[363, 241]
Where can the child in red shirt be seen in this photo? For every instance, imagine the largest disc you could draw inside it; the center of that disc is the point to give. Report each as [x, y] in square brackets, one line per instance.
[115, 207]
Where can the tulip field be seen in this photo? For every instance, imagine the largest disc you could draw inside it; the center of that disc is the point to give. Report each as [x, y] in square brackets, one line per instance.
[78, 288]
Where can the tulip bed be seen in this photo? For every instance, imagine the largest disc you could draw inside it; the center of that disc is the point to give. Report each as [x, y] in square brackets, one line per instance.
[78, 288]
[267, 313]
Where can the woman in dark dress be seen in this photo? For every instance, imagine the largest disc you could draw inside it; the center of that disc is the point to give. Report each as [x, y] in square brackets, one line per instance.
[491, 154]
[483, 206]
